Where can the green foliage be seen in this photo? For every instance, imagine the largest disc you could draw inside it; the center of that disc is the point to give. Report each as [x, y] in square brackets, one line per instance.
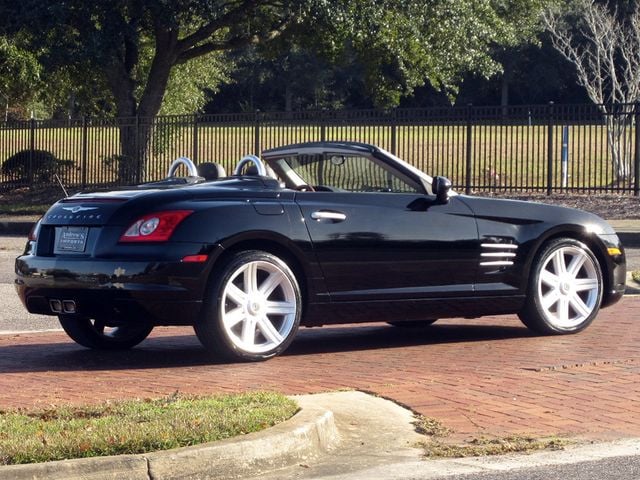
[394, 46]
[19, 73]
[37, 165]
[190, 84]
[135, 426]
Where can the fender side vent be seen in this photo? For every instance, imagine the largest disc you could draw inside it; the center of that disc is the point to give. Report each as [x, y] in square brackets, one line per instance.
[497, 254]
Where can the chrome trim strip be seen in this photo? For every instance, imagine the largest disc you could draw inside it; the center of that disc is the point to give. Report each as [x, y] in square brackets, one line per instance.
[496, 264]
[498, 254]
[509, 246]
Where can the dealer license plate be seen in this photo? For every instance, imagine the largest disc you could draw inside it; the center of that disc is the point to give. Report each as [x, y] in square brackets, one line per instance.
[71, 239]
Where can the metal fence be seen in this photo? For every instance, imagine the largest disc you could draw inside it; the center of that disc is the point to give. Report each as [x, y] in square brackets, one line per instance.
[544, 148]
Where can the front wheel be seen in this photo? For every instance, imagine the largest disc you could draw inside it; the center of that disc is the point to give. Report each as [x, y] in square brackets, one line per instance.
[97, 334]
[254, 308]
[565, 289]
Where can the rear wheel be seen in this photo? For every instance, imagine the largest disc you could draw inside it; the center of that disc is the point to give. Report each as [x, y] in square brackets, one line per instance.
[99, 335]
[254, 308]
[565, 289]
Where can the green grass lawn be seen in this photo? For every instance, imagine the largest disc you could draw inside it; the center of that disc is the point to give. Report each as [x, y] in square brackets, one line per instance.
[131, 427]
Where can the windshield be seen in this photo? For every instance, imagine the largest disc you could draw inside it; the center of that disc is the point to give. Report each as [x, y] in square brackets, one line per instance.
[343, 172]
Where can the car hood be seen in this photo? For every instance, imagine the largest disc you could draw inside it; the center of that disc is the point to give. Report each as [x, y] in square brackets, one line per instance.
[529, 212]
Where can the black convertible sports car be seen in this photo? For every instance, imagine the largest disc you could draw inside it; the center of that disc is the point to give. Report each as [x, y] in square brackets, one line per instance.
[311, 234]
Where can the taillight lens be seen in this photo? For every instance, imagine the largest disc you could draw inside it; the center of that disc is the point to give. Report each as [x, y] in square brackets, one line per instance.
[155, 227]
[35, 230]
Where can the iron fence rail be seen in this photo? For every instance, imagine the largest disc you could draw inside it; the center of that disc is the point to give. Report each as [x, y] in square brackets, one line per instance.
[545, 148]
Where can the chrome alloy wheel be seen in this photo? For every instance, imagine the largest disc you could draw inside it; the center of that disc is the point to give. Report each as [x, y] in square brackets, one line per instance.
[258, 307]
[569, 287]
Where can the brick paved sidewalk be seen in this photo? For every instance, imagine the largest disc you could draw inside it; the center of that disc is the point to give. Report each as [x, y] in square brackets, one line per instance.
[479, 377]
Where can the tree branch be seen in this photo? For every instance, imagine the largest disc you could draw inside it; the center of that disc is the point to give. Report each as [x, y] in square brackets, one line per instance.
[234, 42]
[230, 18]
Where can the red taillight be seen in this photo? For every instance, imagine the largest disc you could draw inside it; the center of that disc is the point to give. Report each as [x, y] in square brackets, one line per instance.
[155, 227]
[35, 230]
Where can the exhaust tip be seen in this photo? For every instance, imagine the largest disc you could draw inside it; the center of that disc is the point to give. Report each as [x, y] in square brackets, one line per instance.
[55, 305]
[69, 306]
[62, 306]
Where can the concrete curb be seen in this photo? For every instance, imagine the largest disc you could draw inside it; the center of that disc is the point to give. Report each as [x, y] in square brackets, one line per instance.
[307, 434]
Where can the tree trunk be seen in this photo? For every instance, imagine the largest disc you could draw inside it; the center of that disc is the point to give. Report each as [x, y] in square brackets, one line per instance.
[617, 142]
[136, 120]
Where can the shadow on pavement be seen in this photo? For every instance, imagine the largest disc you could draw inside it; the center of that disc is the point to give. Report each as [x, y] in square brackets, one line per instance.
[185, 351]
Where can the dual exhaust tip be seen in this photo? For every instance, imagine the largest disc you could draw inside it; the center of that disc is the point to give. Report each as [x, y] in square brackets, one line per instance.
[62, 306]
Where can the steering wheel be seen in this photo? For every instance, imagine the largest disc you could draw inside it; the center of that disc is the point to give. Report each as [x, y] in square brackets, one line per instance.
[262, 171]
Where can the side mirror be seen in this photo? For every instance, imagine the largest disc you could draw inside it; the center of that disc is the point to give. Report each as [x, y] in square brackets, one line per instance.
[441, 187]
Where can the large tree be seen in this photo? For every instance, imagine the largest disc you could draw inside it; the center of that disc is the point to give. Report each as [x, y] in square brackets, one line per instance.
[400, 44]
[602, 41]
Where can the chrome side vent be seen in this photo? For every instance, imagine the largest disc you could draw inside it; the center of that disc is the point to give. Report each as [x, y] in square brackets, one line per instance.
[497, 254]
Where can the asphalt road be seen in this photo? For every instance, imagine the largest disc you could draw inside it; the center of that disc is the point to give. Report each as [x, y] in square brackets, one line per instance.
[616, 468]
[13, 316]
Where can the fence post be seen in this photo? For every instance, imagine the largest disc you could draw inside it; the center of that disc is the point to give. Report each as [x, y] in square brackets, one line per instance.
[550, 149]
[323, 126]
[636, 159]
[32, 147]
[256, 134]
[85, 143]
[137, 161]
[394, 131]
[194, 153]
[468, 167]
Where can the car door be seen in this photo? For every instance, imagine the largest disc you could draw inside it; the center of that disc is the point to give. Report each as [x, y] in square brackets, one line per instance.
[386, 246]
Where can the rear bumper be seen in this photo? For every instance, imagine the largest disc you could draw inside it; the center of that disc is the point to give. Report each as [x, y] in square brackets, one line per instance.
[164, 293]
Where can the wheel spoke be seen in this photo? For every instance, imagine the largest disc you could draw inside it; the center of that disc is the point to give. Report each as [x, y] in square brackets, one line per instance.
[575, 265]
[234, 293]
[579, 306]
[271, 283]
[558, 262]
[563, 309]
[232, 318]
[583, 284]
[549, 279]
[280, 308]
[550, 299]
[269, 331]
[249, 331]
[251, 278]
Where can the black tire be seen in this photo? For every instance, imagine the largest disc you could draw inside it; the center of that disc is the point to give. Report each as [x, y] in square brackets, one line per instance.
[565, 288]
[240, 321]
[97, 335]
[413, 323]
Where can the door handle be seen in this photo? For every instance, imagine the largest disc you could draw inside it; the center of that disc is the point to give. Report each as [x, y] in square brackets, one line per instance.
[334, 217]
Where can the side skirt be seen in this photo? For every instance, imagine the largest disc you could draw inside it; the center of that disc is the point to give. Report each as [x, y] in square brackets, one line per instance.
[408, 310]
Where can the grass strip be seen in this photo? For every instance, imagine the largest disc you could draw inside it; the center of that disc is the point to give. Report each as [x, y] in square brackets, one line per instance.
[137, 426]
